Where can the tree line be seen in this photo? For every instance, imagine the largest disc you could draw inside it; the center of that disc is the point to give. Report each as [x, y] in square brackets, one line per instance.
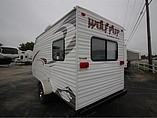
[146, 57]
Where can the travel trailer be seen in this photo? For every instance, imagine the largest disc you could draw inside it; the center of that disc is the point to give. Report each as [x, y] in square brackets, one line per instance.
[8, 54]
[25, 57]
[80, 58]
[133, 55]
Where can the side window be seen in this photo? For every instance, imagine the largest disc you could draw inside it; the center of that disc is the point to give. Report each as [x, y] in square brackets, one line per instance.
[112, 50]
[58, 50]
[98, 49]
[21, 57]
[103, 50]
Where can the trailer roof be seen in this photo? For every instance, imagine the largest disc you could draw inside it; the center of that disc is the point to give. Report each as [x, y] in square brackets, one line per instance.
[9, 47]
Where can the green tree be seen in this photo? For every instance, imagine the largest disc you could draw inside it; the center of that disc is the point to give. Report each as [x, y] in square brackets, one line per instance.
[143, 57]
[1, 44]
[26, 46]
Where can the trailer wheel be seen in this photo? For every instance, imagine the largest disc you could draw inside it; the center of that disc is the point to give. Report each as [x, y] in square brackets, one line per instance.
[42, 97]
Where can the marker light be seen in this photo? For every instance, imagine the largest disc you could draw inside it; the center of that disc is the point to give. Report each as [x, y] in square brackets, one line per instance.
[83, 14]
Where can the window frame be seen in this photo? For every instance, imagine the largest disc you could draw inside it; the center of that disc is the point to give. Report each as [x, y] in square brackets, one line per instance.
[105, 40]
[63, 50]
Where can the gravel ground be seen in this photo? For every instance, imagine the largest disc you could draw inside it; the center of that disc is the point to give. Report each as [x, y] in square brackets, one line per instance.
[18, 96]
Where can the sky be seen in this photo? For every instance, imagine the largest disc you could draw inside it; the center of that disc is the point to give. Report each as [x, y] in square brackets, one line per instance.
[22, 21]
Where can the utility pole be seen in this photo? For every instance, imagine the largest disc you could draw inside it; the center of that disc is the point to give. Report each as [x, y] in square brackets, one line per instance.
[148, 36]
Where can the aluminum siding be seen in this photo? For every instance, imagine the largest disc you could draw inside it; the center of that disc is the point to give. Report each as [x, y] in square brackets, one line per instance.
[62, 74]
[102, 78]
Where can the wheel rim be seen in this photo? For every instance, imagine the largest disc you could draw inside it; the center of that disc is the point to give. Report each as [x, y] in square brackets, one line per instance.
[41, 95]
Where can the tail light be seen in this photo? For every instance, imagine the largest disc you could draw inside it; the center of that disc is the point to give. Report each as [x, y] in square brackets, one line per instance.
[84, 65]
[121, 62]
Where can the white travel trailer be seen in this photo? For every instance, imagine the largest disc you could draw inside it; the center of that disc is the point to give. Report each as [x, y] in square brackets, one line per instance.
[80, 58]
[25, 57]
[133, 55]
[8, 54]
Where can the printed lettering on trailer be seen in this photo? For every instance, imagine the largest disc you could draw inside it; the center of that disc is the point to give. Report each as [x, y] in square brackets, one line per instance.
[101, 26]
[105, 27]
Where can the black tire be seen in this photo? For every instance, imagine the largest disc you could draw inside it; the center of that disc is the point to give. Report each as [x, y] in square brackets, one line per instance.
[42, 97]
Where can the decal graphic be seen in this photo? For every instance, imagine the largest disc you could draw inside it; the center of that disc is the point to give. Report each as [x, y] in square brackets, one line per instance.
[101, 25]
[70, 20]
[35, 55]
[64, 30]
[71, 45]
[67, 94]
[44, 60]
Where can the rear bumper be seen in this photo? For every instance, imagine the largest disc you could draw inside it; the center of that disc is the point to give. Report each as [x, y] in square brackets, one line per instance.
[105, 100]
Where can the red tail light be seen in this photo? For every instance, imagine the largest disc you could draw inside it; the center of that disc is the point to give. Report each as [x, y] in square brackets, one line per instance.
[121, 62]
[84, 65]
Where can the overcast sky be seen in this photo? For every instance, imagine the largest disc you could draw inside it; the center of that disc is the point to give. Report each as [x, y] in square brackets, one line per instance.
[22, 21]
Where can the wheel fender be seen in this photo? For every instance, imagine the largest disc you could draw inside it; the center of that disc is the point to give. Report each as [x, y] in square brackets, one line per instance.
[47, 88]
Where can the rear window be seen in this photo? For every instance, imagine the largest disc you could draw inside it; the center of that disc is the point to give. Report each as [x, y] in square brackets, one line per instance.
[103, 49]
